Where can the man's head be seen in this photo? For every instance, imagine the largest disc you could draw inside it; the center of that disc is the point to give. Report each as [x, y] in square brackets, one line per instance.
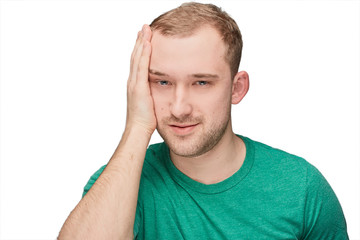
[189, 17]
[191, 81]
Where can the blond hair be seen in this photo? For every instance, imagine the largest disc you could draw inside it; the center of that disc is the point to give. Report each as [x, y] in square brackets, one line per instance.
[186, 19]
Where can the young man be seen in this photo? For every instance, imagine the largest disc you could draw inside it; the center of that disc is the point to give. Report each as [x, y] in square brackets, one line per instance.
[204, 182]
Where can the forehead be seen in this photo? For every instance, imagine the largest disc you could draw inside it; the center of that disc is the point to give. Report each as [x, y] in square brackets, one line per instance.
[203, 51]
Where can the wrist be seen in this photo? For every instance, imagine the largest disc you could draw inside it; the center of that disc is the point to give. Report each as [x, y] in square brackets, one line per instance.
[133, 144]
[139, 130]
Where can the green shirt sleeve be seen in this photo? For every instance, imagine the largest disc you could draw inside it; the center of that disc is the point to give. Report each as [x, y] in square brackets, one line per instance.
[92, 180]
[323, 218]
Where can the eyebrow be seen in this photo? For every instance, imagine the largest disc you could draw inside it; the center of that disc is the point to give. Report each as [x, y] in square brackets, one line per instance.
[158, 73]
[196, 75]
[205, 75]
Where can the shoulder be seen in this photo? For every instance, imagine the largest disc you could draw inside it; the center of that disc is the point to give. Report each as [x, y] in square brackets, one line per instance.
[155, 157]
[92, 180]
[286, 166]
[156, 151]
[153, 162]
[322, 213]
[266, 156]
[275, 159]
[154, 167]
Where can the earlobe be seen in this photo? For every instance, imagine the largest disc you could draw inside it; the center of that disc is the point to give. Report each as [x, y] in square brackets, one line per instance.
[240, 87]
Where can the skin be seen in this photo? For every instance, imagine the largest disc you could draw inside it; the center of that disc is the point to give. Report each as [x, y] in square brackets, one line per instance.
[193, 91]
[108, 210]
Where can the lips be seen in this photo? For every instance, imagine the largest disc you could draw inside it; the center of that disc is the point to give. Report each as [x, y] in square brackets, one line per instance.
[183, 129]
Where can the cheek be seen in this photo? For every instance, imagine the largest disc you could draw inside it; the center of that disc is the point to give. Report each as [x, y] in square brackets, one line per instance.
[159, 105]
[216, 102]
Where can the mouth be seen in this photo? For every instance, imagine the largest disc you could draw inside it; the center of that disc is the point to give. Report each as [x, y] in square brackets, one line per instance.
[183, 129]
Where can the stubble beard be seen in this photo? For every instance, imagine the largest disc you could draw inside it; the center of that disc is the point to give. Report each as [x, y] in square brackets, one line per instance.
[197, 143]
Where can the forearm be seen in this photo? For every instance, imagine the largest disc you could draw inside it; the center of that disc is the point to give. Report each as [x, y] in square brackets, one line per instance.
[108, 210]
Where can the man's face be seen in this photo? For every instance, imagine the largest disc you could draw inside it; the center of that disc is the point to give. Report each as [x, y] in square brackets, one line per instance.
[191, 87]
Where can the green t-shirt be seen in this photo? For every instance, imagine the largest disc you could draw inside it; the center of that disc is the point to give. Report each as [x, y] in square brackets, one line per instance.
[274, 195]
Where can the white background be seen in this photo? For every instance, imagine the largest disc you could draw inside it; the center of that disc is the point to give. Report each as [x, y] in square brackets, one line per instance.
[64, 67]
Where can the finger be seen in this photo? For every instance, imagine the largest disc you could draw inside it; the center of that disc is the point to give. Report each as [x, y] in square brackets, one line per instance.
[144, 33]
[136, 46]
[147, 32]
[143, 66]
[134, 58]
[143, 69]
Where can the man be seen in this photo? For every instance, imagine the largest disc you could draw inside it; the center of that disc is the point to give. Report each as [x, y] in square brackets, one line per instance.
[204, 182]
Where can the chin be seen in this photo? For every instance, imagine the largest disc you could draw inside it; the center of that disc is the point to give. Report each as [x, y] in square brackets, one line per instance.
[187, 151]
[192, 145]
[189, 154]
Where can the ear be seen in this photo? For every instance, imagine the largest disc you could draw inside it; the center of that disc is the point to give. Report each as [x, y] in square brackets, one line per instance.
[240, 87]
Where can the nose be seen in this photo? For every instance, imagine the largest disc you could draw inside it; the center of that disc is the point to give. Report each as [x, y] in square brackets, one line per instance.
[180, 106]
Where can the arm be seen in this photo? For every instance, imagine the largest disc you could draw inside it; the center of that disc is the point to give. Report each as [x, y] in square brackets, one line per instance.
[324, 218]
[107, 211]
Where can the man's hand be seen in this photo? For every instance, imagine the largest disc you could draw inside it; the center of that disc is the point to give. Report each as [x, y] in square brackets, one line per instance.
[107, 211]
[140, 107]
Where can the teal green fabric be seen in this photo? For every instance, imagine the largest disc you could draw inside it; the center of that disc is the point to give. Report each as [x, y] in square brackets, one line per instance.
[274, 195]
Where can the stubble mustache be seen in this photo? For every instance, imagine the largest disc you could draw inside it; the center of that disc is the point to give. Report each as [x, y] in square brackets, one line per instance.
[190, 120]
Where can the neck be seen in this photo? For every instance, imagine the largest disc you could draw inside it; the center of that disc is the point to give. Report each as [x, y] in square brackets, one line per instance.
[216, 165]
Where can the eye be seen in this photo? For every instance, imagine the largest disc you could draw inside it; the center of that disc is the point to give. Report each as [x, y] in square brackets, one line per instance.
[163, 83]
[202, 83]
